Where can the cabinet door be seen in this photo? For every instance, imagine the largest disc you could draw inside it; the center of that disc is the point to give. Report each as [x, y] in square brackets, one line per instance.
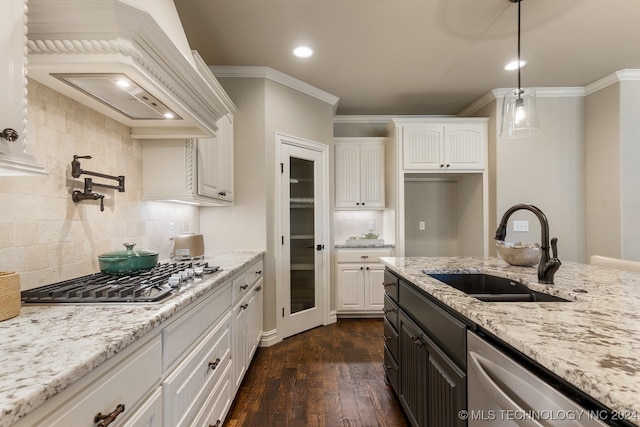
[347, 175]
[207, 164]
[374, 289]
[254, 320]
[447, 389]
[149, 414]
[413, 372]
[464, 147]
[239, 327]
[372, 175]
[225, 159]
[350, 287]
[422, 147]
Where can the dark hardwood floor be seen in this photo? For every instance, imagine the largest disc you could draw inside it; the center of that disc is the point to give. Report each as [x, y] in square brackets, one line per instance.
[328, 376]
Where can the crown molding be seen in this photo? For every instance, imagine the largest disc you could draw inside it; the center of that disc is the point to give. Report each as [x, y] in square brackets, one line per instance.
[278, 77]
[611, 79]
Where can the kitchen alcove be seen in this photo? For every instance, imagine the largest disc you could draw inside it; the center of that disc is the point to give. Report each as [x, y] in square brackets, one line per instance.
[443, 215]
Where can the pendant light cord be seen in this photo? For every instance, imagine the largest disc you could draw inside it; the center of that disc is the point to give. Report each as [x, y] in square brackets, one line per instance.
[519, 64]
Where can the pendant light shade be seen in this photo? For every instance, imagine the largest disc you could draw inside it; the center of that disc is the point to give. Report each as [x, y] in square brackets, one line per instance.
[519, 114]
[519, 111]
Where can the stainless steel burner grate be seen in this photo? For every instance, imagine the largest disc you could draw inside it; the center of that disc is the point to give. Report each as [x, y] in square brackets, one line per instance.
[149, 286]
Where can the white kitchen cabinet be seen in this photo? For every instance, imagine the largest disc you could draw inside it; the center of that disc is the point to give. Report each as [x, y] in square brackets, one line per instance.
[198, 171]
[449, 147]
[247, 320]
[359, 290]
[13, 105]
[215, 162]
[359, 169]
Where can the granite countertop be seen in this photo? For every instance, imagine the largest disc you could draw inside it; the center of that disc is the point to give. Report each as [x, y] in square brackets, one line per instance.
[343, 245]
[49, 347]
[593, 342]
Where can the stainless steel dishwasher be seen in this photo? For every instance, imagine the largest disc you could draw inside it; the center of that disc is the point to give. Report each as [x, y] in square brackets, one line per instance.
[501, 392]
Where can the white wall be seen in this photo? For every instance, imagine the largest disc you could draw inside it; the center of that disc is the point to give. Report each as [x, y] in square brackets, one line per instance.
[44, 235]
[548, 171]
[264, 108]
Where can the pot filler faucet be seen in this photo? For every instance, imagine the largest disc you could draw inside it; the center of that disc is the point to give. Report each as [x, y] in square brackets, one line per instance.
[87, 193]
[548, 266]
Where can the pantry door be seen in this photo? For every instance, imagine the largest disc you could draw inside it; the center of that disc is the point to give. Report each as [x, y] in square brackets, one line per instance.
[303, 285]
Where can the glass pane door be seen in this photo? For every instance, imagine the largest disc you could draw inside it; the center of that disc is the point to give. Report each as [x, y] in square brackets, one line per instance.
[302, 223]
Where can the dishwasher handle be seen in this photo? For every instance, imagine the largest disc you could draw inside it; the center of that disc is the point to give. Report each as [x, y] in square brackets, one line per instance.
[501, 397]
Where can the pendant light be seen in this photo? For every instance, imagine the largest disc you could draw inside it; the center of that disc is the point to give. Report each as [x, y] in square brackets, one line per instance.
[519, 113]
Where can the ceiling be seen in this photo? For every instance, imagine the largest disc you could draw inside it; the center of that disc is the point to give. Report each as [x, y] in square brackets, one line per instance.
[405, 57]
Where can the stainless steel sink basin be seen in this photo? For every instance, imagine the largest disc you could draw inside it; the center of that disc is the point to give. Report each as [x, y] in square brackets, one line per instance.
[494, 289]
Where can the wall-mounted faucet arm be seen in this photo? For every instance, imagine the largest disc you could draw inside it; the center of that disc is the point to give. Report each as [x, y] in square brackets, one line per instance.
[76, 171]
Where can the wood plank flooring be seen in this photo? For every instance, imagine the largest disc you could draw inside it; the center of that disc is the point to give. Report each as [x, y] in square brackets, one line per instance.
[328, 376]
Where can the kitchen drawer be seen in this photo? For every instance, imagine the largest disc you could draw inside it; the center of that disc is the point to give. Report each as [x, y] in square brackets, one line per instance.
[187, 388]
[391, 339]
[125, 384]
[391, 311]
[240, 287]
[391, 283]
[391, 370]
[255, 272]
[362, 255]
[182, 333]
[217, 405]
[447, 331]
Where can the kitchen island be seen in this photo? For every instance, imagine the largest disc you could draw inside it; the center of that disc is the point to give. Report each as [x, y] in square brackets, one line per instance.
[48, 348]
[592, 342]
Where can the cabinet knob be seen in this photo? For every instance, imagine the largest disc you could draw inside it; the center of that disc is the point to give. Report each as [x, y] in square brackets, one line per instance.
[448, 165]
[367, 268]
[105, 420]
[441, 165]
[361, 268]
[362, 203]
[358, 203]
[10, 135]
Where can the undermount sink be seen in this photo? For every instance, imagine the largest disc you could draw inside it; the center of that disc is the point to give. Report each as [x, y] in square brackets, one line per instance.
[494, 289]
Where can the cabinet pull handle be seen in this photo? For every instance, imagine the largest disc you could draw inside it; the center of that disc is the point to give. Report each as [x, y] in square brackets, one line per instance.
[259, 272]
[217, 424]
[364, 256]
[259, 288]
[243, 287]
[222, 193]
[387, 284]
[385, 367]
[418, 342]
[386, 310]
[213, 365]
[386, 338]
[244, 306]
[105, 420]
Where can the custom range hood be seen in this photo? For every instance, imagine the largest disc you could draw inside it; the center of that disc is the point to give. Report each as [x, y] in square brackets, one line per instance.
[129, 60]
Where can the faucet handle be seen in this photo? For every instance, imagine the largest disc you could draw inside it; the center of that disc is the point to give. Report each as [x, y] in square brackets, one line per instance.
[554, 247]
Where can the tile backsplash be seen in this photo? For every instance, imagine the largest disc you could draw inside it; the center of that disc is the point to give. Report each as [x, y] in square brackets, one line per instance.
[354, 223]
[44, 235]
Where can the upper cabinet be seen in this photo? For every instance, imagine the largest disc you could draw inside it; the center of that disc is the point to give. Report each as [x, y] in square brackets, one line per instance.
[13, 37]
[196, 171]
[458, 146]
[359, 173]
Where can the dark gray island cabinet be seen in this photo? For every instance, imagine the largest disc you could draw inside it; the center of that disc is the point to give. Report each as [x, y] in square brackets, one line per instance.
[424, 355]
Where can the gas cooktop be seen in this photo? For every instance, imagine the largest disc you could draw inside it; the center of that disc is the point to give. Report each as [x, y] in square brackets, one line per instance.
[148, 286]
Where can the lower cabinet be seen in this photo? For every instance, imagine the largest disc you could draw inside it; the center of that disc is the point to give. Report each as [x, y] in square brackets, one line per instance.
[430, 384]
[184, 373]
[360, 278]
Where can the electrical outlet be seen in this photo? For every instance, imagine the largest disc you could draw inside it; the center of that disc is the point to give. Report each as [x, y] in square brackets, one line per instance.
[520, 225]
[372, 225]
[421, 225]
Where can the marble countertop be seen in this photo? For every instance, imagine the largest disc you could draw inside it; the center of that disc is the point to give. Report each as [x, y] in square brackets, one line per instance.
[593, 342]
[49, 347]
[343, 245]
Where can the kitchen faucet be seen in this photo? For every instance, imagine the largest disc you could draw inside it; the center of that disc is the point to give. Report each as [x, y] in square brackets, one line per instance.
[548, 266]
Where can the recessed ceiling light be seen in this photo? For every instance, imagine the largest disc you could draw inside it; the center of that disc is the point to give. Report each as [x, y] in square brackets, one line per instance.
[302, 52]
[168, 115]
[513, 65]
[123, 83]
